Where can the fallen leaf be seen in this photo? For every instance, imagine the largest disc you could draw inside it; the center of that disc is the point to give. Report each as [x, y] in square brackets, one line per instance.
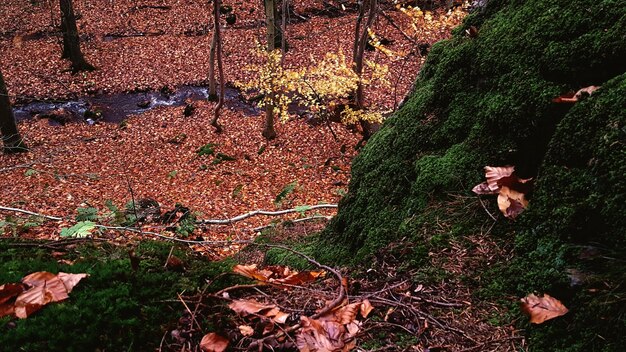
[252, 272]
[71, 280]
[247, 307]
[246, 330]
[9, 291]
[366, 308]
[213, 342]
[571, 97]
[511, 203]
[543, 308]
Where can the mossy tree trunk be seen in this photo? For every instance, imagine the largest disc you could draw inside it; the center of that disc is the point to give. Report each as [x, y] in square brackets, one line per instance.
[11, 139]
[270, 15]
[71, 42]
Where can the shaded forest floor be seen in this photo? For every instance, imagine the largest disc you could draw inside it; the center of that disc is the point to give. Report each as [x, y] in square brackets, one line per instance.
[155, 155]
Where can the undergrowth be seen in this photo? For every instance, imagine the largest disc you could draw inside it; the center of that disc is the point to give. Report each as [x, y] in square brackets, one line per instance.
[116, 308]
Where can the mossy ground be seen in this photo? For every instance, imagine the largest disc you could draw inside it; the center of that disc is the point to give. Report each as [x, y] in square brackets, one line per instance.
[115, 308]
[487, 100]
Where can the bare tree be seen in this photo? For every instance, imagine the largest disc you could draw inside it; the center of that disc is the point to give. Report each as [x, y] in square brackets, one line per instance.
[360, 42]
[212, 84]
[71, 42]
[216, 50]
[11, 139]
[270, 11]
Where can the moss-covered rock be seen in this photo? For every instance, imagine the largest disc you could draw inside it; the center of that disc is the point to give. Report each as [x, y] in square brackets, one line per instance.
[487, 100]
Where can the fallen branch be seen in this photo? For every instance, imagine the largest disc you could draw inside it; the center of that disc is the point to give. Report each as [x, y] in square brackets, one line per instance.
[16, 210]
[265, 212]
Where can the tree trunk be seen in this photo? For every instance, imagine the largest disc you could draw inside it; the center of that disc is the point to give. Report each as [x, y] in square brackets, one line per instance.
[217, 40]
[71, 44]
[360, 42]
[270, 11]
[360, 47]
[212, 85]
[283, 28]
[11, 139]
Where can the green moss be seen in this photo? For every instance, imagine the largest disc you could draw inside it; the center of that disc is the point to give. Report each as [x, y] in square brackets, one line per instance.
[114, 309]
[488, 101]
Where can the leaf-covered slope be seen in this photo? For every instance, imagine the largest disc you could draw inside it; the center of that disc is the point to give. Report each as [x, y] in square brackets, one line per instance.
[487, 100]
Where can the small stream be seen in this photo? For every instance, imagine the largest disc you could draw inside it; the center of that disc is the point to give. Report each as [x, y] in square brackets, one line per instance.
[114, 108]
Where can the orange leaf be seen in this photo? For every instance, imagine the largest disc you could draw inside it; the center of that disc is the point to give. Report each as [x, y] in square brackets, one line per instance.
[247, 307]
[571, 97]
[71, 280]
[252, 272]
[511, 203]
[213, 342]
[366, 308]
[542, 308]
[246, 330]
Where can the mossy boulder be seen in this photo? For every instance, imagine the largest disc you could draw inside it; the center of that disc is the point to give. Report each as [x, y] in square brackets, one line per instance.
[488, 100]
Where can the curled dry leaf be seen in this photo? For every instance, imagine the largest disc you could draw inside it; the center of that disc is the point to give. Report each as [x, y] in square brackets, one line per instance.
[318, 335]
[572, 97]
[511, 190]
[543, 308]
[252, 272]
[44, 288]
[511, 203]
[277, 275]
[213, 342]
[248, 307]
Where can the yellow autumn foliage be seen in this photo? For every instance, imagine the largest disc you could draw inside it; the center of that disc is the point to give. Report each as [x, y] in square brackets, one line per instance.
[327, 83]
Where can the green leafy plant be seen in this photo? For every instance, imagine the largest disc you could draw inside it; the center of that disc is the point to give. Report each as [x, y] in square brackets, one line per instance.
[172, 174]
[30, 172]
[87, 214]
[80, 230]
[207, 149]
[286, 191]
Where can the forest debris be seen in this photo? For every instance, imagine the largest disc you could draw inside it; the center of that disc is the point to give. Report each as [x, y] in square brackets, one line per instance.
[542, 308]
[511, 190]
[37, 290]
[213, 342]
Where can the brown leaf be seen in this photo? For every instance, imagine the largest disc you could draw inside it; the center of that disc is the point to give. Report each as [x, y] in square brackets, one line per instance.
[38, 278]
[511, 203]
[483, 188]
[320, 336]
[213, 342]
[571, 97]
[252, 272]
[366, 308]
[9, 291]
[543, 308]
[71, 280]
[498, 176]
[32, 300]
[246, 330]
[247, 307]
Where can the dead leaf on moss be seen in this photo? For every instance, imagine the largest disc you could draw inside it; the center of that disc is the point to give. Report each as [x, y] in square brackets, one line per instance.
[213, 342]
[511, 190]
[43, 288]
[277, 275]
[543, 308]
[511, 203]
[572, 97]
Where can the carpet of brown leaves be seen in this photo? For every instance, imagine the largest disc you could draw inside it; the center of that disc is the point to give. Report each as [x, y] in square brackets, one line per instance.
[139, 47]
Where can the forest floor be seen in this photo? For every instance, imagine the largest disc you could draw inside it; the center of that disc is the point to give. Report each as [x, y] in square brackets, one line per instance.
[146, 46]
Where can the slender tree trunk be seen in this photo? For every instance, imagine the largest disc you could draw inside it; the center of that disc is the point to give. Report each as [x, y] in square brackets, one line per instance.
[11, 139]
[217, 39]
[71, 44]
[283, 28]
[362, 42]
[212, 85]
[270, 11]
